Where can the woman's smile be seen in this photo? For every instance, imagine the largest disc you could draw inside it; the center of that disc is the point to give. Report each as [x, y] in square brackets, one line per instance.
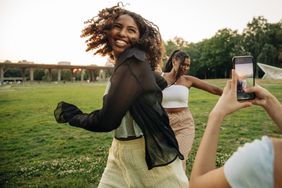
[123, 34]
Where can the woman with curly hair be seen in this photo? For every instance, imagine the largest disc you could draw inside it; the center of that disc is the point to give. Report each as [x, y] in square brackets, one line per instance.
[144, 151]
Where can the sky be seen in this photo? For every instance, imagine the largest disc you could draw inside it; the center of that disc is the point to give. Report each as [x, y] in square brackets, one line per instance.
[48, 31]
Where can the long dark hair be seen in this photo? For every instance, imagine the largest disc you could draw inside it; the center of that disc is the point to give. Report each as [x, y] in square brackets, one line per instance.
[179, 55]
[98, 27]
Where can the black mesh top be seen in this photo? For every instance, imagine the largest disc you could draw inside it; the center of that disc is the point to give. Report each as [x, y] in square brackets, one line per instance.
[134, 87]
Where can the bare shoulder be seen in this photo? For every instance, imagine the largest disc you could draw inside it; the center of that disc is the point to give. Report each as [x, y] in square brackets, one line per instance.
[186, 80]
[192, 80]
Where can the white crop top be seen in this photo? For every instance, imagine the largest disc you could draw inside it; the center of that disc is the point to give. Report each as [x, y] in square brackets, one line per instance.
[175, 96]
[251, 165]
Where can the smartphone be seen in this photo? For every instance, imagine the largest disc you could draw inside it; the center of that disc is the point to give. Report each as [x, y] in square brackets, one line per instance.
[245, 68]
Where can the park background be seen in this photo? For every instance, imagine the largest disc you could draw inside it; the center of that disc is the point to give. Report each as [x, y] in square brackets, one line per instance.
[35, 151]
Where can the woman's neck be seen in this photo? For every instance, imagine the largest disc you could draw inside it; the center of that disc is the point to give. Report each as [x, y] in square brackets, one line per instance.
[172, 74]
[170, 77]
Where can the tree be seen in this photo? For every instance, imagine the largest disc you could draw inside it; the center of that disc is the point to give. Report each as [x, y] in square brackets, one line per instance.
[211, 58]
[217, 52]
[170, 46]
[193, 50]
[264, 41]
[180, 42]
[254, 36]
[274, 34]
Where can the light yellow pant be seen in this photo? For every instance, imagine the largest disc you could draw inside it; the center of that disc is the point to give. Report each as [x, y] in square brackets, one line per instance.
[182, 124]
[126, 167]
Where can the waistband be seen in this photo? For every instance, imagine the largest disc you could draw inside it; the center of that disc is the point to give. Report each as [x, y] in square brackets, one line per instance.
[128, 138]
[129, 144]
[182, 111]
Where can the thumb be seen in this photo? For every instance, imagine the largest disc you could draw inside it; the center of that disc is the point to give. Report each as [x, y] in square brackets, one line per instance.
[245, 104]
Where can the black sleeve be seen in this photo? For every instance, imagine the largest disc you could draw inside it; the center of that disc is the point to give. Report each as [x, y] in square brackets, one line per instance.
[162, 83]
[125, 88]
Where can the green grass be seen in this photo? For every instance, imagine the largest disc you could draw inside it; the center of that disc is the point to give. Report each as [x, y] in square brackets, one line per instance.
[35, 151]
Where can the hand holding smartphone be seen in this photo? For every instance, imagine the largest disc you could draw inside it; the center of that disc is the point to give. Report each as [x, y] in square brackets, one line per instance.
[245, 68]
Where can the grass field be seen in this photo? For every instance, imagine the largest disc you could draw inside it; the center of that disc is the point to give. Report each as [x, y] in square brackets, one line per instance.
[35, 151]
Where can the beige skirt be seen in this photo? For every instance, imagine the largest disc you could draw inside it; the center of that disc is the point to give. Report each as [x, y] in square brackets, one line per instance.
[126, 167]
[182, 123]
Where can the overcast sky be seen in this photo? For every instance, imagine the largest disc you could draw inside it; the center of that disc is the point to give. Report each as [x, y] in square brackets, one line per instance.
[48, 31]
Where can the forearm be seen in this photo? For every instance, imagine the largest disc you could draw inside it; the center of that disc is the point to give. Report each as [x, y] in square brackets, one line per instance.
[197, 83]
[215, 90]
[206, 156]
[95, 122]
[274, 109]
[218, 91]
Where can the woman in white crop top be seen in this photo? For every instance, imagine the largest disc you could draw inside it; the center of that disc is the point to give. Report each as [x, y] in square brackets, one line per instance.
[175, 99]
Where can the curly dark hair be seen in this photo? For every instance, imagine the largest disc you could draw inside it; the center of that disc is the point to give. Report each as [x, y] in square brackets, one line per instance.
[98, 27]
[179, 55]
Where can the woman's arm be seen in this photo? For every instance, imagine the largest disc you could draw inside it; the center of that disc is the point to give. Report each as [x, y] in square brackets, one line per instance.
[162, 83]
[204, 172]
[274, 109]
[125, 88]
[269, 102]
[200, 84]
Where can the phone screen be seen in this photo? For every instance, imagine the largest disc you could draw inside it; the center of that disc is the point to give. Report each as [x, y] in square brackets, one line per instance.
[244, 67]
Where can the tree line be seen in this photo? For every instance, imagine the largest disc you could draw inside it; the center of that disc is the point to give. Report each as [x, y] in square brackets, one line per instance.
[211, 58]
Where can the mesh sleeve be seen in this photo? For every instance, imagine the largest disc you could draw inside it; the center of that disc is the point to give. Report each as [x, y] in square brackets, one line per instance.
[126, 86]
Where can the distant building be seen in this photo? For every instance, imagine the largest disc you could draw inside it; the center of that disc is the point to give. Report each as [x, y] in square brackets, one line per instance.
[64, 63]
[25, 62]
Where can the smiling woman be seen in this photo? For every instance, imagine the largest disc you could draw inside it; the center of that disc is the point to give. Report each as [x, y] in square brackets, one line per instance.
[144, 151]
[124, 26]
